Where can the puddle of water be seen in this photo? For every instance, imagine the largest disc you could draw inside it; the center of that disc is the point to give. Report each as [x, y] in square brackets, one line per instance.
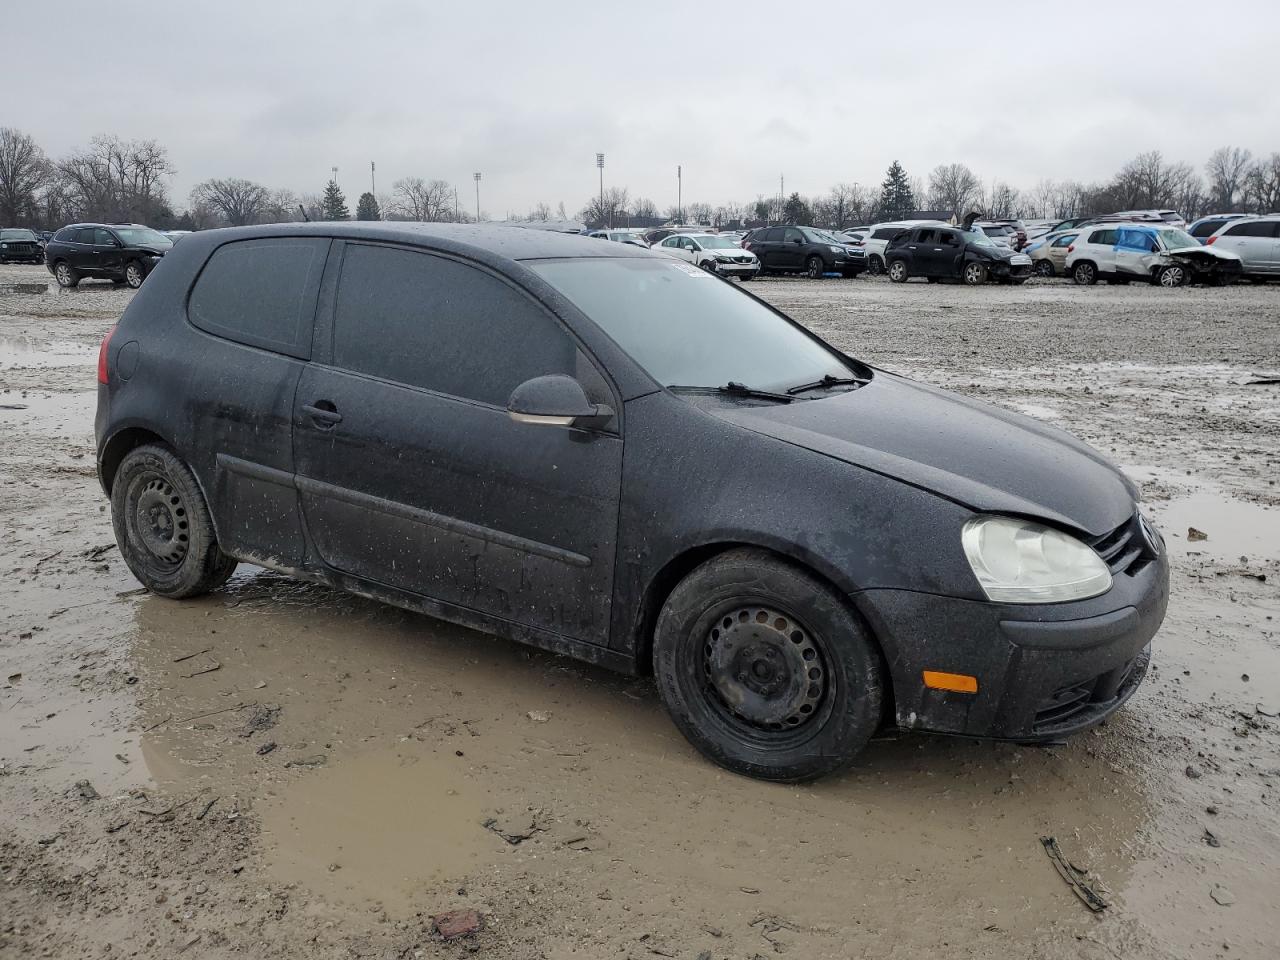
[390, 823]
[38, 352]
[1235, 528]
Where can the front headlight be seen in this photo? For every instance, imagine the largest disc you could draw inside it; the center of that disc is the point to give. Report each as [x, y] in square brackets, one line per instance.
[723, 258]
[836, 249]
[1017, 561]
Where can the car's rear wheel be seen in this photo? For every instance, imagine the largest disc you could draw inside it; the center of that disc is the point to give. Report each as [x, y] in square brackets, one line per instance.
[815, 268]
[134, 274]
[1173, 275]
[1044, 268]
[65, 274]
[898, 271]
[1085, 274]
[875, 266]
[766, 669]
[163, 527]
[975, 274]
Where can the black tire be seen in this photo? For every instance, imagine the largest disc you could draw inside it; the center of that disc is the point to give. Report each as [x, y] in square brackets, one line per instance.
[736, 630]
[1084, 273]
[814, 267]
[744, 277]
[66, 275]
[134, 274]
[162, 525]
[974, 274]
[1044, 268]
[875, 266]
[1174, 275]
[898, 271]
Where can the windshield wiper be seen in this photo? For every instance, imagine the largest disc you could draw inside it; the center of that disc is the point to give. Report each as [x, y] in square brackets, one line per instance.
[827, 381]
[735, 389]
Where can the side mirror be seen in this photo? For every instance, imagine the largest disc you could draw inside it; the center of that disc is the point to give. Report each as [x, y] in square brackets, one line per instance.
[797, 240]
[555, 400]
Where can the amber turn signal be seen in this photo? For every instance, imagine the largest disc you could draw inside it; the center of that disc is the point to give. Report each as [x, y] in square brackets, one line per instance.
[955, 682]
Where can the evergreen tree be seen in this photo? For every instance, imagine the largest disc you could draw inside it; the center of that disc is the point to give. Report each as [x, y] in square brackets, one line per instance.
[896, 200]
[334, 203]
[367, 208]
[795, 210]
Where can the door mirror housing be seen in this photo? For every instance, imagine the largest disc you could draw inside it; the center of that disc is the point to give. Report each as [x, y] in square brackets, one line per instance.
[555, 400]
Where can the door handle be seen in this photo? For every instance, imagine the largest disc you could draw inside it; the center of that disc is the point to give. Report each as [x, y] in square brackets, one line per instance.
[324, 413]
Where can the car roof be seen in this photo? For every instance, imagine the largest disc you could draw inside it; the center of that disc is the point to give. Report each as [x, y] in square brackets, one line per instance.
[510, 242]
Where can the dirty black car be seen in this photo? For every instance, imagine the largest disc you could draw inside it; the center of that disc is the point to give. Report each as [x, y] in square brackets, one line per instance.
[617, 456]
[18, 245]
[941, 253]
[124, 253]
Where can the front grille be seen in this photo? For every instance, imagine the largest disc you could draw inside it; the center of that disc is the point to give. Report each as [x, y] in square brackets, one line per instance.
[1092, 695]
[24, 247]
[1124, 549]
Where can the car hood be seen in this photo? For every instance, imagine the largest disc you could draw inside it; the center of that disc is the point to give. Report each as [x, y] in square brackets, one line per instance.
[989, 459]
[154, 251]
[1200, 250]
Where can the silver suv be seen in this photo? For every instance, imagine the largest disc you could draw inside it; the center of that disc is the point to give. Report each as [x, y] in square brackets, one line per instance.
[1256, 242]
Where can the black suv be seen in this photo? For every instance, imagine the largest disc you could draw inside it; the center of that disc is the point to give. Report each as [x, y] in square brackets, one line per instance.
[18, 245]
[120, 252]
[616, 456]
[948, 253]
[804, 250]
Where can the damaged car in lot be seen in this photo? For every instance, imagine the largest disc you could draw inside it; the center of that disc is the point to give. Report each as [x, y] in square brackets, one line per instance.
[1126, 252]
[613, 455]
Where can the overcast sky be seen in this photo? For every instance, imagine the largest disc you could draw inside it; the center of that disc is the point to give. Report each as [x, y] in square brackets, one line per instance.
[735, 91]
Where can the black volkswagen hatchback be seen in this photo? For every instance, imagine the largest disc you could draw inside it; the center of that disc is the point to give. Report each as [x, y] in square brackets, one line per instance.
[620, 457]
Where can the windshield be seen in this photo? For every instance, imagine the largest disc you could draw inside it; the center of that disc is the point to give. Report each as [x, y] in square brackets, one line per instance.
[142, 236]
[17, 235]
[996, 230]
[685, 327]
[1173, 239]
[717, 243]
[820, 235]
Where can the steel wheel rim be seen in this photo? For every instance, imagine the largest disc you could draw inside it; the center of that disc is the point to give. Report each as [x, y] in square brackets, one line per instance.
[763, 669]
[161, 521]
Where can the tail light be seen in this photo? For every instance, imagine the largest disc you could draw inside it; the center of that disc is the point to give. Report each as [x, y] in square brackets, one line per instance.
[1209, 242]
[102, 355]
[1070, 247]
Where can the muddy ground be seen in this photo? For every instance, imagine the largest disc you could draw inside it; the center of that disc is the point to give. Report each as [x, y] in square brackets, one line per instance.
[277, 770]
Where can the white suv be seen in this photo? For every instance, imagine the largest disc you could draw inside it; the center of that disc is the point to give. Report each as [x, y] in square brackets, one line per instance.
[1256, 242]
[1124, 252]
[712, 252]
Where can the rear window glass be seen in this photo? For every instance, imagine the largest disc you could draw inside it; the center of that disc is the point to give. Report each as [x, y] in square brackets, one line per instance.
[261, 292]
[1253, 228]
[1107, 237]
[1206, 228]
[886, 233]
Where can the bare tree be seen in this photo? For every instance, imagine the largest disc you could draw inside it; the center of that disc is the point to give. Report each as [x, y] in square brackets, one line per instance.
[240, 202]
[1227, 169]
[842, 207]
[644, 207]
[954, 187]
[115, 180]
[540, 211]
[280, 206]
[24, 170]
[999, 201]
[1147, 181]
[427, 200]
[607, 209]
[1262, 184]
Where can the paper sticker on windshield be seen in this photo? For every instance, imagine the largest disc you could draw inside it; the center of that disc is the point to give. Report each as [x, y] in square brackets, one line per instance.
[689, 269]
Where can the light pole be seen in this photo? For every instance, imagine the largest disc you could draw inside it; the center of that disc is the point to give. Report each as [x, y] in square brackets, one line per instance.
[477, 176]
[679, 195]
[600, 165]
[373, 178]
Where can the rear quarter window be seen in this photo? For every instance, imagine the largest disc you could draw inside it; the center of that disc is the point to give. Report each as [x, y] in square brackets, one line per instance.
[261, 293]
[1252, 228]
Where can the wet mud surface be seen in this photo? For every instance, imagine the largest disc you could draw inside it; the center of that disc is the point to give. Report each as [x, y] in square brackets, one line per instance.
[278, 770]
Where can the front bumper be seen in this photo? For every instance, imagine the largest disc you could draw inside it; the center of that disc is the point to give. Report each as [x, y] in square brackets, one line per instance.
[1013, 271]
[1044, 671]
[738, 269]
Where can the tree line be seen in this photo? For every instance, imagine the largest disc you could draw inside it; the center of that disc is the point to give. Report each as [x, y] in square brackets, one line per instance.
[117, 180]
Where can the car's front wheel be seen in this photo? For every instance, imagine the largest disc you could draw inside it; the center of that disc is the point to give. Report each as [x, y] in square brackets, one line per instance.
[815, 268]
[65, 274]
[975, 274]
[898, 271]
[163, 527]
[766, 669]
[1173, 275]
[134, 274]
